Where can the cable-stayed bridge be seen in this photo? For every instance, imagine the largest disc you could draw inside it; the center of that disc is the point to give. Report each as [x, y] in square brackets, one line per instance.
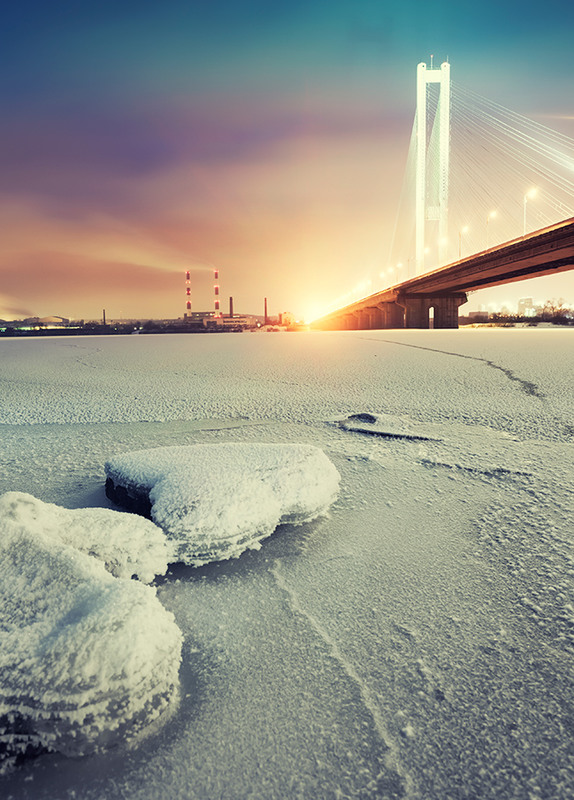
[487, 199]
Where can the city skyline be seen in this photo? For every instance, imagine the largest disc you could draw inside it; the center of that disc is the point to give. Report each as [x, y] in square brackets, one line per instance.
[138, 142]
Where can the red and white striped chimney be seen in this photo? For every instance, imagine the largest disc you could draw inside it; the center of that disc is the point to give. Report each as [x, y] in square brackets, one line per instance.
[187, 294]
[216, 292]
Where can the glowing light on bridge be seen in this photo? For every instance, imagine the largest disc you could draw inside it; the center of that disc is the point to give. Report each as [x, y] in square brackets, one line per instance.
[463, 230]
[530, 195]
[489, 216]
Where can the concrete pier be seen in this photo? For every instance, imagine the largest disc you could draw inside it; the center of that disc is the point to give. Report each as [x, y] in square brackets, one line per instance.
[408, 304]
[404, 312]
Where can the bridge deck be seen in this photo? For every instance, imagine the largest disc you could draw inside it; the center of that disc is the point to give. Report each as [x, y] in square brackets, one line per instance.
[548, 250]
[543, 252]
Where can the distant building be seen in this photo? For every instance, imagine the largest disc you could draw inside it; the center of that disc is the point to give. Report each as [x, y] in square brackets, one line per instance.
[197, 316]
[54, 321]
[526, 307]
[235, 322]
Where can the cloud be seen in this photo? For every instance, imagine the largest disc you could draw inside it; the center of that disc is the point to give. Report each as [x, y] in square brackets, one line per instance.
[9, 311]
[274, 218]
[60, 283]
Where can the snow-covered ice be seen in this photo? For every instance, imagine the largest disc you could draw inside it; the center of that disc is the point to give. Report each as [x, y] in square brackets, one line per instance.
[386, 426]
[128, 545]
[416, 643]
[216, 501]
[86, 659]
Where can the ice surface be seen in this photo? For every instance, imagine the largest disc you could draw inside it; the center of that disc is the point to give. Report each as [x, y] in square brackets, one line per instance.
[88, 380]
[87, 660]
[418, 642]
[216, 501]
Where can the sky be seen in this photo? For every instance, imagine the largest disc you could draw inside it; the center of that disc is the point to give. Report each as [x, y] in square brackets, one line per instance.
[139, 140]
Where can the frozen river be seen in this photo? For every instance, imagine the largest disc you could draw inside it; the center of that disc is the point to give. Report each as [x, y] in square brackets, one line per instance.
[417, 643]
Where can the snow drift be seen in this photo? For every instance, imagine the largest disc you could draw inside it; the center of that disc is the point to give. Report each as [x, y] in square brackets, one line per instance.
[216, 501]
[86, 659]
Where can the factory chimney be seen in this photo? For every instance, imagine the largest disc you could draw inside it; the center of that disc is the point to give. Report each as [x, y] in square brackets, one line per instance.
[266, 320]
[187, 295]
[216, 293]
[231, 306]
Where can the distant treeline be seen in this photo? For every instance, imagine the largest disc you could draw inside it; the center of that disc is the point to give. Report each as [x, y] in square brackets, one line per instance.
[98, 329]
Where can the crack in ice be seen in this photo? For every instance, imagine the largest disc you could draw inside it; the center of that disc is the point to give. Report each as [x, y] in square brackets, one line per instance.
[367, 698]
[527, 386]
[493, 472]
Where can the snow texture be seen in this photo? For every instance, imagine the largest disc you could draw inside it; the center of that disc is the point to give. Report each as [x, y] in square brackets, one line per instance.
[87, 659]
[216, 501]
[416, 644]
[128, 545]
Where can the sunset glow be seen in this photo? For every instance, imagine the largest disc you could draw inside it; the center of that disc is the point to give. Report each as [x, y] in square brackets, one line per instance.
[137, 142]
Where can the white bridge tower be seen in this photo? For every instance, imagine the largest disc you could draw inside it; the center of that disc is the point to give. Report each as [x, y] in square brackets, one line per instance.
[437, 209]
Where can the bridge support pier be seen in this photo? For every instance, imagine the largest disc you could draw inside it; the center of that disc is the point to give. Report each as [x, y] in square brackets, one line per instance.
[393, 315]
[350, 322]
[408, 311]
[372, 318]
[445, 308]
[416, 312]
[379, 317]
[363, 319]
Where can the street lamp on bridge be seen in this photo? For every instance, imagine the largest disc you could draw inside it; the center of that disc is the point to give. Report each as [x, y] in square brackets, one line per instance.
[461, 231]
[394, 271]
[531, 193]
[489, 216]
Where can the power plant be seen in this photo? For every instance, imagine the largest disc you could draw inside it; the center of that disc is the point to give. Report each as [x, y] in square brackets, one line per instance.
[216, 320]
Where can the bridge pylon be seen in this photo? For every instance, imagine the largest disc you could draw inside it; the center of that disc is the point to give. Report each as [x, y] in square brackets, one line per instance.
[439, 209]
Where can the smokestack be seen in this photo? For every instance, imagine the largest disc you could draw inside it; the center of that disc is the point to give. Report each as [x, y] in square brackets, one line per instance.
[216, 293]
[187, 295]
[265, 319]
[104, 317]
[231, 306]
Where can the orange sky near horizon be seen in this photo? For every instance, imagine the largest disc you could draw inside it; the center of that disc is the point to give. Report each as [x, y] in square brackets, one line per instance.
[269, 141]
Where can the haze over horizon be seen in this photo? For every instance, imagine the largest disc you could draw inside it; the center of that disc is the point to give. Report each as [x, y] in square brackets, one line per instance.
[138, 141]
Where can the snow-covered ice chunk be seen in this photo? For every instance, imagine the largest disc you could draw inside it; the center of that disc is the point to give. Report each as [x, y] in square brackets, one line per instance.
[384, 425]
[126, 543]
[216, 501]
[87, 660]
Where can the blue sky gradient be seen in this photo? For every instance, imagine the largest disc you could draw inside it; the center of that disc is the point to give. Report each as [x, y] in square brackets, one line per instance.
[142, 139]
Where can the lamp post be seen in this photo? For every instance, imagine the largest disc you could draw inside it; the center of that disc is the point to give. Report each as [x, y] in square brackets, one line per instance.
[529, 194]
[461, 231]
[387, 275]
[490, 216]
